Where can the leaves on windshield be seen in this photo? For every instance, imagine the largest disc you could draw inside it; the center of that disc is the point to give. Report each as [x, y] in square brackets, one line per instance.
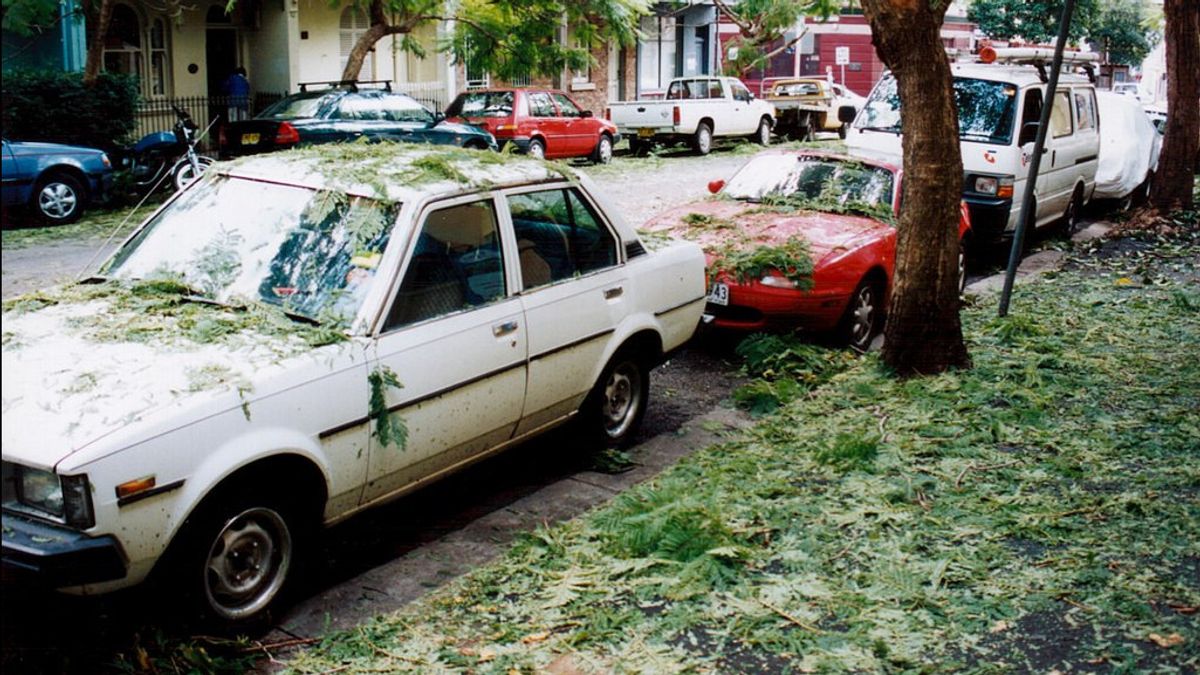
[219, 262]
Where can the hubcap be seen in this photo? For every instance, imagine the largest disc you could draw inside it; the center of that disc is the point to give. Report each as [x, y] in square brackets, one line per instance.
[248, 563]
[57, 200]
[605, 150]
[863, 321]
[962, 272]
[764, 133]
[622, 398]
[705, 140]
[537, 151]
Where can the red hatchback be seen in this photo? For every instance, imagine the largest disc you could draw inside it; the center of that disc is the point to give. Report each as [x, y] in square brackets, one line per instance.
[837, 210]
[542, 123]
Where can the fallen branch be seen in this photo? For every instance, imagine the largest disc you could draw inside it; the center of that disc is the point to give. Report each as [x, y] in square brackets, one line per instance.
[982, 467]
[789, 617]
[281, 644]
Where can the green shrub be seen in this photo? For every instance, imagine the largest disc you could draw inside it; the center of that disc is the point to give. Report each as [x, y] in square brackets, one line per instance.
[57, 107]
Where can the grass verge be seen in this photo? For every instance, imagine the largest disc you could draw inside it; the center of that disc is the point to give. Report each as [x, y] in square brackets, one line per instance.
[96, 224]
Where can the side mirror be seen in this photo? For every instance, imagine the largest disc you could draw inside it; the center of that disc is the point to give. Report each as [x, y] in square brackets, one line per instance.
[586, 113]
[846, 114]
[1029, 132]
[715, 186]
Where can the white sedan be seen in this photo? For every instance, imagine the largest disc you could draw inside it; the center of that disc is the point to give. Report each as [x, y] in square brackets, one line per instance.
[300, 336]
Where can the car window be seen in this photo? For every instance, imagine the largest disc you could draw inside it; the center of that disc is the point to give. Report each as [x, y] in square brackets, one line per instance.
[1060, 116]
[456, 264]
[363, 107]
[401, 108]
[558, 236]
[1085, 109]
[740, 92]
[299, 106]
[482, 104]
[540, 105]
[714, 89]
[566, 107]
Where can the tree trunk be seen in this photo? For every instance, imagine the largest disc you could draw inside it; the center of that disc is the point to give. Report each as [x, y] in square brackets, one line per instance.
[97, 28]
[381, 27]
[1181, 142]
[923, 334]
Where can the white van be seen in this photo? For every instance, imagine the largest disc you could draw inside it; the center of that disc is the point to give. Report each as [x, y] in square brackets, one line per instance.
[999, 106]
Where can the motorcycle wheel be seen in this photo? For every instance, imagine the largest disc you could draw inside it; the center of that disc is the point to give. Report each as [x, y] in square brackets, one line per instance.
[185, 175]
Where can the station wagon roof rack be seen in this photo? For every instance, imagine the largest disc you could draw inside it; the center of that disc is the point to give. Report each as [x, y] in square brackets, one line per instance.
[1039, 57]
[352, 85]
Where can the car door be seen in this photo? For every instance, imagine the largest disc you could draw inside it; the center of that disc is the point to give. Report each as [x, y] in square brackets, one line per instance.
[1060, 172]
[15, 183]
[573, 292]
[454, 340]
[745, 117]
[547, 123]
[575, 126]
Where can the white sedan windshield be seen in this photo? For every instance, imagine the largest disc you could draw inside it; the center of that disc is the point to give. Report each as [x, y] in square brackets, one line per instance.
[310, 252]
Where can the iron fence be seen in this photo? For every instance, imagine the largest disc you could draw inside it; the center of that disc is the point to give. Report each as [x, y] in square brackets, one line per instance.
[159, 114]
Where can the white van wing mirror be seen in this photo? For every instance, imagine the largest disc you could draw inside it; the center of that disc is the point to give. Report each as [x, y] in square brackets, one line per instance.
[1029, 132]
[846, 114]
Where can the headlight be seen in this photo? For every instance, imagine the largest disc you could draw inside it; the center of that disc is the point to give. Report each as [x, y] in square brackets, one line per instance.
[777, 282]
[105, 161]
[67, 497]
[986, 185]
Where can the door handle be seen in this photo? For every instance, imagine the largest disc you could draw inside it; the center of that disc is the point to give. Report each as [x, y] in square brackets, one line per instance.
[614, 292]
[502, 329]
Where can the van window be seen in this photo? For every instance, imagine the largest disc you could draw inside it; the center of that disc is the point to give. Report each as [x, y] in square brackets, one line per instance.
[1085, 109]
[1060, 116]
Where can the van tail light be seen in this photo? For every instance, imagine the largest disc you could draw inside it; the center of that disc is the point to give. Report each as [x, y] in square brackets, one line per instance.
[286, 134]
[675, 116]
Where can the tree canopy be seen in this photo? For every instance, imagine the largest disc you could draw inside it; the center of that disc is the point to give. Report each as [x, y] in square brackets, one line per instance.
[1032, 20]
[1124, 31]
[762, 24]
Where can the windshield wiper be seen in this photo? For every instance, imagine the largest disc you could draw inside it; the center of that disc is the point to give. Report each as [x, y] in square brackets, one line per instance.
[890, 130]
[977, 137]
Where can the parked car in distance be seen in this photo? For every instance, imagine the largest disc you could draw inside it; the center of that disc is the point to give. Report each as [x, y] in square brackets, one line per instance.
[56, 182]
[837, 210]
[345, 112]
[543, 123]
[1129, 149]
[803, 106]
[696, 110]
[299, 336]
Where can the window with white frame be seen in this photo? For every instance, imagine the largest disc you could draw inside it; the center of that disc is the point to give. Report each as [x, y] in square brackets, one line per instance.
[160, 70]
[583, 75]
[354, 23]
[138, 48]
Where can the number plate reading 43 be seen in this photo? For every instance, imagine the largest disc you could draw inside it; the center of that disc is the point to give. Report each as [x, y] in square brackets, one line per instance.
[719, 295]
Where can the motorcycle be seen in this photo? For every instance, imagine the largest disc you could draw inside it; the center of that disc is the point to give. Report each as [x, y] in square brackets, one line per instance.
[166, 155]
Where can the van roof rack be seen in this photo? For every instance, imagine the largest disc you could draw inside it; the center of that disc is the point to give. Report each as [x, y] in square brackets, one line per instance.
[1039, 57]
[352, 85]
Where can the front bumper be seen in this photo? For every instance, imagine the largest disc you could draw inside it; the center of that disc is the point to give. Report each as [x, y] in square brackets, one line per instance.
[56, 556]
[989, 217]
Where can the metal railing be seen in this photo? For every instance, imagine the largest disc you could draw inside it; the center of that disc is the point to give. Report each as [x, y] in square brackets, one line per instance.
[158, 115]
[433, 95]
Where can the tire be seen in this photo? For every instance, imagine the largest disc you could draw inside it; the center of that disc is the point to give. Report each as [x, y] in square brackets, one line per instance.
[862, 319]
[184, 176]
[537, 149]
[1070, 219]
[702, 140]
[763, 135]
[962, 267]
[59, 199]
[603, 153]
[843, 131]
[238, 555]
[638, 147]
[810, 129]
[614, 409]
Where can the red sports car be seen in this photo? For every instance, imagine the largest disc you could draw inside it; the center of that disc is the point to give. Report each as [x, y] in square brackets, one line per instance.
[784, 209]
[542, 123]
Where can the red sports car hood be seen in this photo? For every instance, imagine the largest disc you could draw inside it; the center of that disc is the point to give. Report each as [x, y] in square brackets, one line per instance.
[713, 223]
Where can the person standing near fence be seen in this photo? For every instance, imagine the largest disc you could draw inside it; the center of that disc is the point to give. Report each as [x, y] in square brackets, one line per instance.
[237, 91]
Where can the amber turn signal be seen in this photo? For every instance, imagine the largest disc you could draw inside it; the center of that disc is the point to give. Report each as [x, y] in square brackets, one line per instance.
[133, 487]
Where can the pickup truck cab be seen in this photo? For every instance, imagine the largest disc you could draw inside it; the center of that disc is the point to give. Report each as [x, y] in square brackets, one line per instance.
[299, 336]
[695, 110]
[999, 108]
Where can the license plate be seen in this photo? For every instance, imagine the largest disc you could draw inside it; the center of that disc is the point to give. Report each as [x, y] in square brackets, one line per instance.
[719, 295]
[250, 139]
[645, 133]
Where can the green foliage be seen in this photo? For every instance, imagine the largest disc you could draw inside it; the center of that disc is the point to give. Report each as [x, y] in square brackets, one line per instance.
[57, 107]
[784, 367]
[158, 653]
[791, 259]
[1123, 30]
[763, 26]
[390, 428]
[1033, 20]
[29, 17]
[849, 452]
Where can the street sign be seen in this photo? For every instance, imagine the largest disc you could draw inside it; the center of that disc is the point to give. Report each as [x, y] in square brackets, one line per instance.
[841, 56]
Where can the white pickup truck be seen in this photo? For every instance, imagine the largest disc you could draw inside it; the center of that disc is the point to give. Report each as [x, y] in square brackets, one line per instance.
[695, 110]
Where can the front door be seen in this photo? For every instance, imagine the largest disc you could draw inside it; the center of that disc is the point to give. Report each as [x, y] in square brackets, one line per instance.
[573, 290]
[220, 60]
[450, 360]
[578, 139]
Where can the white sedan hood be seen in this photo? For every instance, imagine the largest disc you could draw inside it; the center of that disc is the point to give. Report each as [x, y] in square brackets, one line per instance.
[70, 379]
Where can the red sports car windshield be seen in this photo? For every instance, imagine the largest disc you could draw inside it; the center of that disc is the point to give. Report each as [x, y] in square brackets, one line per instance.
[815, 183]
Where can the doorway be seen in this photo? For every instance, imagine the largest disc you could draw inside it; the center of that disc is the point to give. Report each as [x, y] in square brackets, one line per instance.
[220, 57]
